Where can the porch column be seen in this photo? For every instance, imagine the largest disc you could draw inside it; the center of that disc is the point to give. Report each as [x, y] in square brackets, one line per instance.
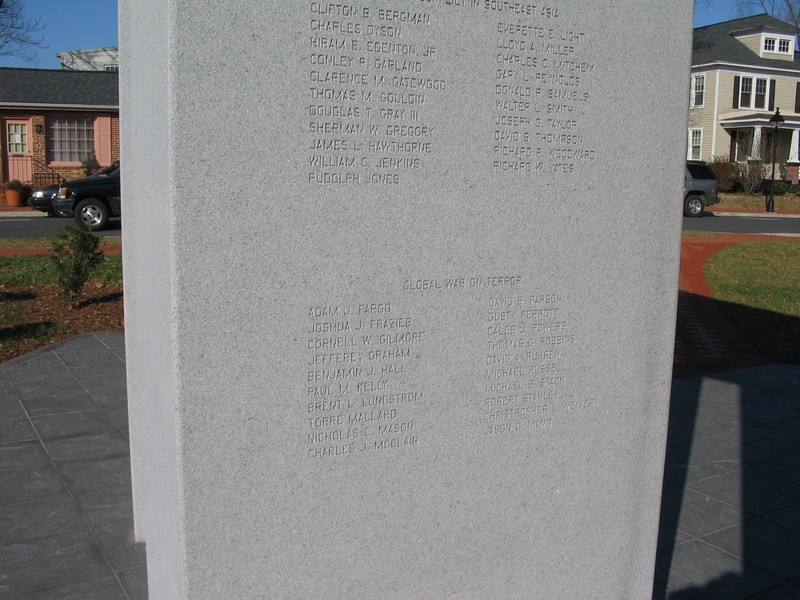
[793, 162]
[755, 148]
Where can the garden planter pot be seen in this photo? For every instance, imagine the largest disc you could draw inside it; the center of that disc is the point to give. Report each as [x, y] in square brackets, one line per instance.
[13, 197]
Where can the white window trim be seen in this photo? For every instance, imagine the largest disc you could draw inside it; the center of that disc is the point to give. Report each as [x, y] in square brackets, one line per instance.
[692, 131]
[777, 39]
[752, 106]
[692, 103]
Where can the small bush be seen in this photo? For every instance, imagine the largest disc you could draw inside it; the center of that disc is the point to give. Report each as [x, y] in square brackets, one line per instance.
[727, 173]
[751, 176]
[75, 256]
[15, 185]
[780, 187]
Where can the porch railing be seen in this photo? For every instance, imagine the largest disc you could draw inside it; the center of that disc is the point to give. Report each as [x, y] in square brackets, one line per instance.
[39, 173]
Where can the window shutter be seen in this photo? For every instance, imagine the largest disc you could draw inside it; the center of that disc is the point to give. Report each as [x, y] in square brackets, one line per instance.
[102, 140]
[797, 98]
[736, 92]
[772, 85]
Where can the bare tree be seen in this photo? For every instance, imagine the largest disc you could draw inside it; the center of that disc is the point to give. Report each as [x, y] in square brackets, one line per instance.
[18, 34]
[786, 10]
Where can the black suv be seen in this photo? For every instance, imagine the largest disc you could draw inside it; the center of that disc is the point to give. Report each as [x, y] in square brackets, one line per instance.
[93, 200]
[699, 188]
[42, 199]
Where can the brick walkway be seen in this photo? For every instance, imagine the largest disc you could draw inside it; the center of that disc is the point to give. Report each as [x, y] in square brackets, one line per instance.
[705, 342]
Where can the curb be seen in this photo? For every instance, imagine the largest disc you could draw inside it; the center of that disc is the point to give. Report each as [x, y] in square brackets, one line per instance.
[15, 214]
[758, 214]
[32, 251]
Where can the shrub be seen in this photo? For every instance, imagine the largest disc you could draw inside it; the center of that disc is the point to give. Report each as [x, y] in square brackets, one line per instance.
[751, 176]
[14, 184]
[727, 173]
[780, 187]
[75, 255]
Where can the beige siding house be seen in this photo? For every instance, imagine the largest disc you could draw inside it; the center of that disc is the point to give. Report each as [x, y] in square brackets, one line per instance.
[743, 71]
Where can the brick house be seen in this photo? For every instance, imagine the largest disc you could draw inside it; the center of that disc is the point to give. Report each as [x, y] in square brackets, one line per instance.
[742, 71]
[57, 124]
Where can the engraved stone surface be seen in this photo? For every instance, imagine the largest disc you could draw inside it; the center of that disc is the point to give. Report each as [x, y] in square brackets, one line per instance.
[400, 293]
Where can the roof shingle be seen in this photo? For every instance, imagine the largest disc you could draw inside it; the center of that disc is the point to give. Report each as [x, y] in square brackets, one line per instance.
[716, 43]
[58, 87]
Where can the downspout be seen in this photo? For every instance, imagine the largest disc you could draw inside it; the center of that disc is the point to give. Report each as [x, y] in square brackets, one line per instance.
[716, 115]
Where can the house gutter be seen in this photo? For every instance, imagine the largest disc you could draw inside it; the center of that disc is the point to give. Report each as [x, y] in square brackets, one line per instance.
[28, 105]
[715, 124]
[719, 64]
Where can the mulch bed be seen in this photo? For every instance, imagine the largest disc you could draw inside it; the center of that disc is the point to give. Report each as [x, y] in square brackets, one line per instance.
[31, 317]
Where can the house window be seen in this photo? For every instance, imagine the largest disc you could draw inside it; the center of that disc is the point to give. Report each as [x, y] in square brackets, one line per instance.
[17, 137]
[778, 45]
[746, 93]
[111, 68]
[754, 92]
[71, 139]
[761, 93]
[695, 144]
[698, 91]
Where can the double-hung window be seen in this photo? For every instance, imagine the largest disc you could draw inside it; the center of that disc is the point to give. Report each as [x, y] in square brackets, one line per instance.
[698, 91]
[71, 139]
[746, 93]
[755, 93]
[695, 144]
[761, 94]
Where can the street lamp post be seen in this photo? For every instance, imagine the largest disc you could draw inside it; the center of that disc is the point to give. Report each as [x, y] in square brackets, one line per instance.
[775, 122]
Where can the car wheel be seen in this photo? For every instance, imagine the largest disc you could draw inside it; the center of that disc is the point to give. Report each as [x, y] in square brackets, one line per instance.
[693, 206]
[91, 214]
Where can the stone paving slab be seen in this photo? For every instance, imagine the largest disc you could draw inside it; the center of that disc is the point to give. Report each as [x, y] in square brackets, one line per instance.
[730, 522]
[66, 527]
[730, 518]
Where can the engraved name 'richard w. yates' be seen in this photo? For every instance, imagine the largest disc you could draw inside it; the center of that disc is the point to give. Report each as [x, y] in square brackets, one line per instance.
[358, 395]
[543, 72]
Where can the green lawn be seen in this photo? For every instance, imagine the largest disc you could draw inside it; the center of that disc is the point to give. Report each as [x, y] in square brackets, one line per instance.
[105, 242]
[19, 271]
[758, 284]
[729, 202]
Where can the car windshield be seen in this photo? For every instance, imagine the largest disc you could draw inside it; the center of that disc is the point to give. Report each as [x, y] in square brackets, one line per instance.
[109, 170]
[700, 171]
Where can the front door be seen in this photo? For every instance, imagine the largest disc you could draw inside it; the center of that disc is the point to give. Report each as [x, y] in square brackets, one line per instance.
[19, 163]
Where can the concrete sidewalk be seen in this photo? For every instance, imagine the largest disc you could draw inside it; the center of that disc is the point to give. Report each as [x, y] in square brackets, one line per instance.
[65, 492]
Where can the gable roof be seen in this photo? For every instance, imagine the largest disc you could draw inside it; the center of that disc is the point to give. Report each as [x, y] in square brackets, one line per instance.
[717, 44]
[47, 88]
